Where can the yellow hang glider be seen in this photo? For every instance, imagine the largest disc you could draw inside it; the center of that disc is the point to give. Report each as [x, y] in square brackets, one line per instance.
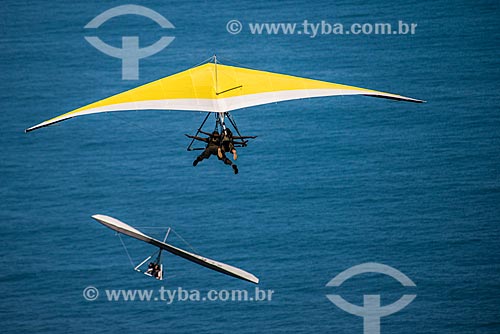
[216, 88]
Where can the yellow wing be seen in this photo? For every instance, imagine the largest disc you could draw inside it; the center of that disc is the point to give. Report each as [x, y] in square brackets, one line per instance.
[214, 87]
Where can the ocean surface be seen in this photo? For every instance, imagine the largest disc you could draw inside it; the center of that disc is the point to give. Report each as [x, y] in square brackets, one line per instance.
[329, 183]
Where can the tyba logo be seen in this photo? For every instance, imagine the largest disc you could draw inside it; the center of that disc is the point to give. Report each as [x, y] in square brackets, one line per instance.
[130, 52]
[371, 311]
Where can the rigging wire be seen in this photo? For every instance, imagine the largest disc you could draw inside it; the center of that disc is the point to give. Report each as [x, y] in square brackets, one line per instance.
[126, 250]
[205, 61]
[187, 243]
[158, 228]
[234, 62]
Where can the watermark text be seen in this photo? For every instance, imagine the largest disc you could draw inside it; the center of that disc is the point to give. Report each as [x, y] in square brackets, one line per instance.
[170, 296]
[321, 28]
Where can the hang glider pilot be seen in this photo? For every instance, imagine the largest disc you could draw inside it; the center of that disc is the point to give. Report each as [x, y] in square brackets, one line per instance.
[157, 273]
[228, 143]
[151, 267]
[154, 269]
[213, 145]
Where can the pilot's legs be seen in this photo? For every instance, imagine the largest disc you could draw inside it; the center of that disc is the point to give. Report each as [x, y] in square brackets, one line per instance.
[229, 162]
[206, 154]
[225, 159]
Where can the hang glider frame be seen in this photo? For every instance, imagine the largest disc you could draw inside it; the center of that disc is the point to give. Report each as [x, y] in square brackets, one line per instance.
[130, 231]
[220, 125]
[158, 259]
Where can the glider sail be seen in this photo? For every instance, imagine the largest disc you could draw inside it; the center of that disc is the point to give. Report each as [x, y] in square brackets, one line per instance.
[123, 228]
[213, 87]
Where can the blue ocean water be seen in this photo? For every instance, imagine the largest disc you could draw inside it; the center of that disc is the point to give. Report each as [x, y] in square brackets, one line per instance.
[328, 184]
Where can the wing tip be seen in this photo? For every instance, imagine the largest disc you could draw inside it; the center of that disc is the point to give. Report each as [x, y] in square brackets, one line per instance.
[396, 97]
[46, 123]
[415, 100]
[35, 127]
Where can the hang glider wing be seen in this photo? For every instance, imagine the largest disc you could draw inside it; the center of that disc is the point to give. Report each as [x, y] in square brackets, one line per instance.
[123, 228]
[213, 87]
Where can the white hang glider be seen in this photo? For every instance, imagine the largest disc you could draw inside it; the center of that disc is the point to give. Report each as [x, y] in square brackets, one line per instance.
[123, 228]
[218, 89]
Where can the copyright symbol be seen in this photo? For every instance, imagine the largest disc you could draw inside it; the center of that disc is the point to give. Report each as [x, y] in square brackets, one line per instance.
[234, 27]
[90, 293]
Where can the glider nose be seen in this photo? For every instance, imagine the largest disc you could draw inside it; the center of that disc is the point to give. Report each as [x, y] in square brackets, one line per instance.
[121, 227]
[104, 220]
